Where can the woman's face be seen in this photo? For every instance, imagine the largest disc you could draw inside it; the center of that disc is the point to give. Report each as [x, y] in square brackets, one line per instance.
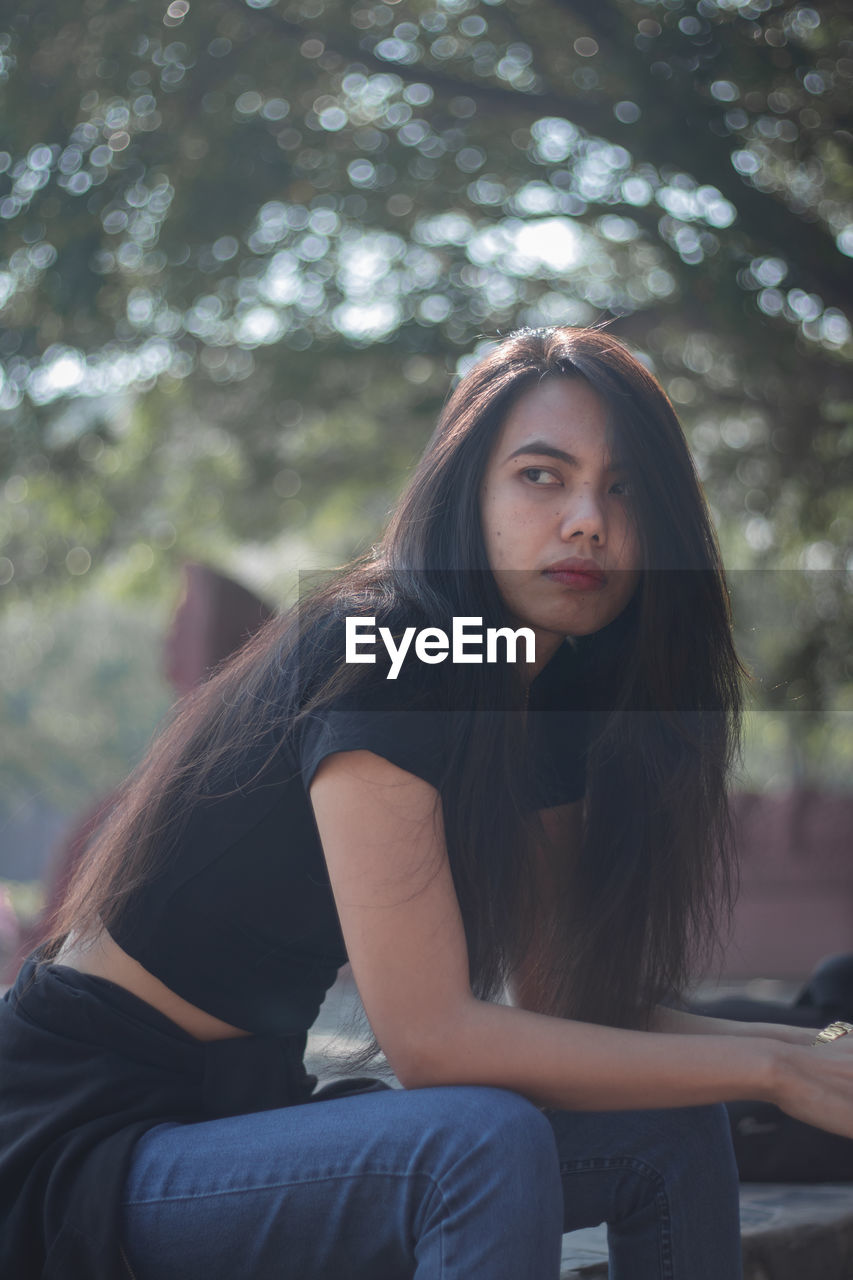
[556, 515]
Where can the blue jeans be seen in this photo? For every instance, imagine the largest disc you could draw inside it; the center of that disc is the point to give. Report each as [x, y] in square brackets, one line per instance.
[457, 1183]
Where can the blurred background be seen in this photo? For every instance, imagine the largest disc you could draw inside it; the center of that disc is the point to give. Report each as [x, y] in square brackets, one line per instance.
[245, 246]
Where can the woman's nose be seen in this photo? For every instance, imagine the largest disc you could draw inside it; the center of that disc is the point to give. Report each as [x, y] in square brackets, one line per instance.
[583, 517]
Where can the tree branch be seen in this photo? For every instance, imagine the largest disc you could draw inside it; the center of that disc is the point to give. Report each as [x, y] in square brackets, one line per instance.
[764, 217]
[769, 224]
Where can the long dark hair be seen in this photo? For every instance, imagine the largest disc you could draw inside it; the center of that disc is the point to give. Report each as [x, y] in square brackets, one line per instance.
[662, 686]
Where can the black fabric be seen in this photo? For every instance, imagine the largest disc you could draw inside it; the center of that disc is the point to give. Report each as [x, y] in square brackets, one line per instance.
[771, 1146]
[85, 1069]
[241, 920]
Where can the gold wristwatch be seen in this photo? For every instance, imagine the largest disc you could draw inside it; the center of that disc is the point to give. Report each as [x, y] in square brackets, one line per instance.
[832, 1032]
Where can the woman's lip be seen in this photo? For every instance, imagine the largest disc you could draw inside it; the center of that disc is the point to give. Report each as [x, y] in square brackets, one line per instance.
[578, 578]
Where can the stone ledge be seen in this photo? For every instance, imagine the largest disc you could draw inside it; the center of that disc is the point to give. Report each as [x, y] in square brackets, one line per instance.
[790, 1232]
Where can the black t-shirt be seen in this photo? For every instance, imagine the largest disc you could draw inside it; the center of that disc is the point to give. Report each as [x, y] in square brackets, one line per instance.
[241, 920]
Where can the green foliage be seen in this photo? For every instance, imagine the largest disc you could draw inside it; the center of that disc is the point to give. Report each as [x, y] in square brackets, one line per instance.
[80, 695]
[26, 898]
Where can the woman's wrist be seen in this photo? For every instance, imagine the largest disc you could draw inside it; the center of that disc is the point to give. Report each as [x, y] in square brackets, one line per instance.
[784, 1064]
[798, 1077]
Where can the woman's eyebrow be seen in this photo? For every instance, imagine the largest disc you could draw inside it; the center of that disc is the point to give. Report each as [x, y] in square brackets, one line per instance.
[541, 448]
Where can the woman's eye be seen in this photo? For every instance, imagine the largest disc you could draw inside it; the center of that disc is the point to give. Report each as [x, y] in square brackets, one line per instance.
[621, 488]
[539, 476]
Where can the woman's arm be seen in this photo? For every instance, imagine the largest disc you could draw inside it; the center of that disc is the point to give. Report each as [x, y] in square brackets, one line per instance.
[382, 836]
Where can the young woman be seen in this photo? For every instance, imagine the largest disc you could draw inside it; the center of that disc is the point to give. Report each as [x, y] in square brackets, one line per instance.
[553, 829]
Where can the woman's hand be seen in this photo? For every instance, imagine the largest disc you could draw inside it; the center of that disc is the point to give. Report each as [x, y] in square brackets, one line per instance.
[815, 1085]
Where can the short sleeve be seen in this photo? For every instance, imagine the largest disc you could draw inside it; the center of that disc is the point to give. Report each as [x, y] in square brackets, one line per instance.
[410, 723]
[403, 719]
[412, 738]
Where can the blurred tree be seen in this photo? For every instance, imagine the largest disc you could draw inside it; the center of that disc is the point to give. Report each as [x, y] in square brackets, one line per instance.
[67, 739]
[244, 243]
